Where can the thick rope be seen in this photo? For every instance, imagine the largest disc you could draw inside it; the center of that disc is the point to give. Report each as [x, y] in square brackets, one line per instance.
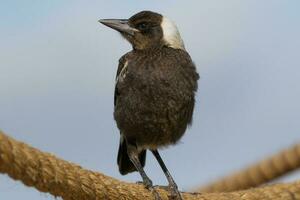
[259, 173]
[49, 174]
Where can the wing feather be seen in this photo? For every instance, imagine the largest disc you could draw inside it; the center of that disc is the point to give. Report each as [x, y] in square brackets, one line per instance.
[122, 65]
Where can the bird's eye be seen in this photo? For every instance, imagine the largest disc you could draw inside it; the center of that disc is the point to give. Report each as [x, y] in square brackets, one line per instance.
[142, 26]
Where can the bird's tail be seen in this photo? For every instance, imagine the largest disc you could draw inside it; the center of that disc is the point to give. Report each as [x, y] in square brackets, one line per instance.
[125, 165]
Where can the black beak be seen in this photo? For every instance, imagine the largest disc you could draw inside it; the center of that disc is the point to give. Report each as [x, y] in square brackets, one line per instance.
[120, 25]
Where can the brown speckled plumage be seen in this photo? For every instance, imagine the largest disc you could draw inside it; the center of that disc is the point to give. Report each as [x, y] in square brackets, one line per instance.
[155, 101]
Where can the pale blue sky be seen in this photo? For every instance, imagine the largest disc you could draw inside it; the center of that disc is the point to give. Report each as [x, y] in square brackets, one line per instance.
[58, 65]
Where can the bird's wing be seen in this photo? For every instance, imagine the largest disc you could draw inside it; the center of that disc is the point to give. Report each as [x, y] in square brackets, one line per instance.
[122, 64]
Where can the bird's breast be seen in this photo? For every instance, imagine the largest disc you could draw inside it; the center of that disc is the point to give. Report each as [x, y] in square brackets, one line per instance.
[155, 98]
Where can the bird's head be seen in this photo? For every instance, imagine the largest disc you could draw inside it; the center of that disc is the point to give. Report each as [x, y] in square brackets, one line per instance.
[147, 29]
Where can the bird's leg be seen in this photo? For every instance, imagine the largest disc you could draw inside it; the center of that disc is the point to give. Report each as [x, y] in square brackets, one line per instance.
[133, 155]
[175, 194]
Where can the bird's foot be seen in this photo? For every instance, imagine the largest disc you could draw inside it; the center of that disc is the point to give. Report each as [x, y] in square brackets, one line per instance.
[140, 182]
[155, 193]
[174, 193]
[148, 184]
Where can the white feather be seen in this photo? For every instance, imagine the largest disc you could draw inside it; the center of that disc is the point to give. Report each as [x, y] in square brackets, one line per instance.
[122, 73]
[171, 35]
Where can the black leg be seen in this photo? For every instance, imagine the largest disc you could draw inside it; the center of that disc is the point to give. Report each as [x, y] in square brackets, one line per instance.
[133, 155]
[172, 185]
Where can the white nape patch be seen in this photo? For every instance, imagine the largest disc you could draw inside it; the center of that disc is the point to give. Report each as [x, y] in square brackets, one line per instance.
[171, 34]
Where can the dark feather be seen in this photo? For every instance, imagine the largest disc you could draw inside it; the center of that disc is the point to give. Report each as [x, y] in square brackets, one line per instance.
[125, 165]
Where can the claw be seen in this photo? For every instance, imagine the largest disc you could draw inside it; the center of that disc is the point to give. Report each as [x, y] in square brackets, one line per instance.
[149, 186]
[175, 194]
[148, 183]
[156, 195]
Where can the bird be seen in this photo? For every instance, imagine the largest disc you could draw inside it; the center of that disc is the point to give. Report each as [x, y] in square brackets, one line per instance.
[155, 89]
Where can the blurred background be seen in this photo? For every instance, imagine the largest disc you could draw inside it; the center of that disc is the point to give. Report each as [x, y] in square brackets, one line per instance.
[57, 71]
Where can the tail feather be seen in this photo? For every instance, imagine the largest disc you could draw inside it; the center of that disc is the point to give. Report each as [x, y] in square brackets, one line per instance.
[125, 165]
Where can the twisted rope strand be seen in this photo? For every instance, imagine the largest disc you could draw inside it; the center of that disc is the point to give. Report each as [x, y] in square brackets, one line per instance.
[47, 173]
[262, 172]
